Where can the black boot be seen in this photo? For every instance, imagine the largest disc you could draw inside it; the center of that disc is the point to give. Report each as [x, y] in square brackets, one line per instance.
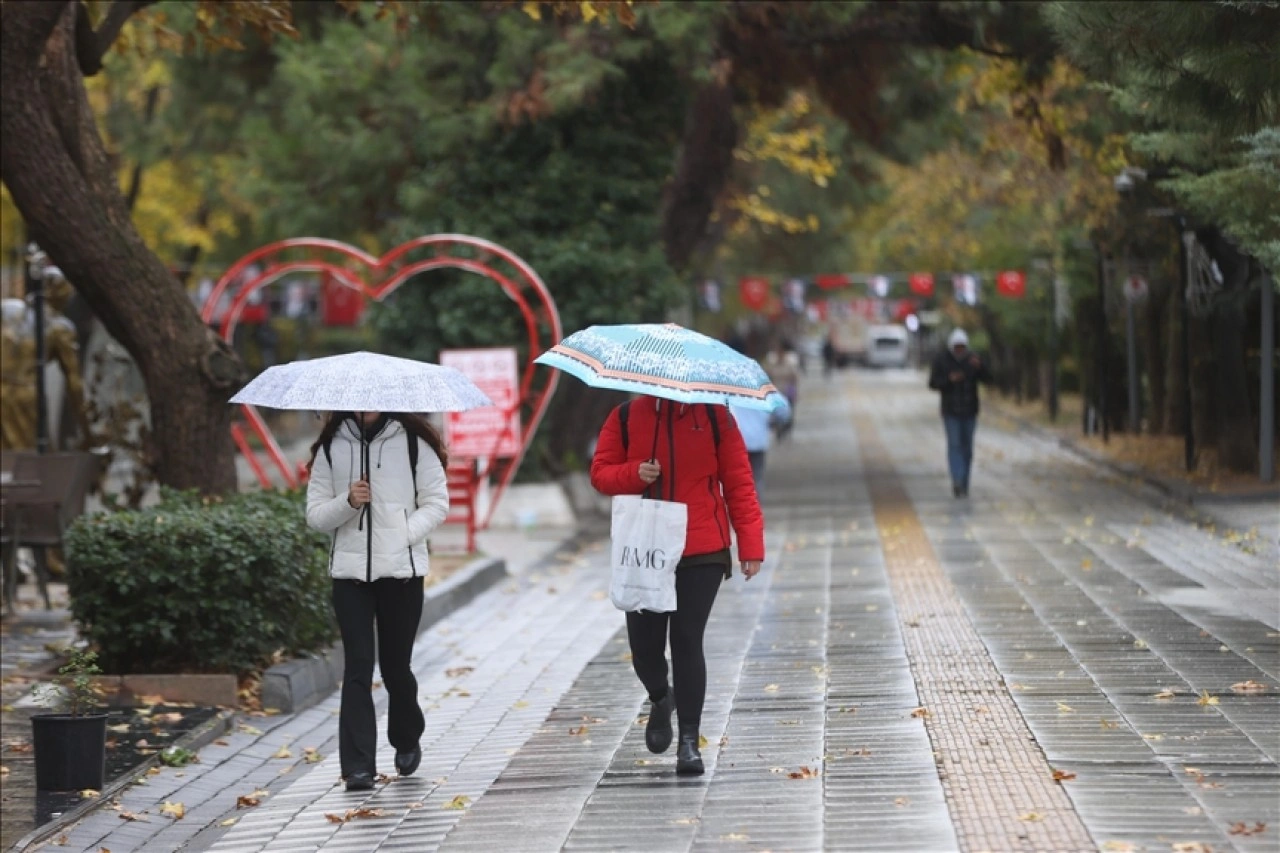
[657, 735]
[688, 757]
[407, 761]
[360, 782]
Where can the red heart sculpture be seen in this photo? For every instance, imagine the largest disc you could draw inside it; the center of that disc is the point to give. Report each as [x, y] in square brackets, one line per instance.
[377, 278]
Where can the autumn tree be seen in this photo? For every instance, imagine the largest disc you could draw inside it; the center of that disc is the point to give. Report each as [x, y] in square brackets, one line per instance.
[57, 170]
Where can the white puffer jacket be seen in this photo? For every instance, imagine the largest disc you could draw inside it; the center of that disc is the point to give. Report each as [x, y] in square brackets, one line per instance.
[394, 544]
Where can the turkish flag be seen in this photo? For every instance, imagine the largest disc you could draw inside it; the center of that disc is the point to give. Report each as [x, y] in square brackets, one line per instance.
[1012, 283]
[754, 291]
[832, 281]
[922, 283]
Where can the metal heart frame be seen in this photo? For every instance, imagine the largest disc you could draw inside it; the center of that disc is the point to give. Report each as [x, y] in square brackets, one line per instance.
[345, 264]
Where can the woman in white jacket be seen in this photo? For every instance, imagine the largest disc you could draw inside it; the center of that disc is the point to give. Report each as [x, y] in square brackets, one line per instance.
[378, 487]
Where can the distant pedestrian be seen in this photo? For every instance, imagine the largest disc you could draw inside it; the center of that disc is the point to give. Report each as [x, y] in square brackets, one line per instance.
[378, 487]
[694, 455]
[783, 367]
[756, 426]
[956, 374]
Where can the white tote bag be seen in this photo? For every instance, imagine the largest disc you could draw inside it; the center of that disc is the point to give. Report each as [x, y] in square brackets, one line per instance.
[648, 541]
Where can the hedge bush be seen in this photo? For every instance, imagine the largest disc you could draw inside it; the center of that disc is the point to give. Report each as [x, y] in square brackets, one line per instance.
[200, 585]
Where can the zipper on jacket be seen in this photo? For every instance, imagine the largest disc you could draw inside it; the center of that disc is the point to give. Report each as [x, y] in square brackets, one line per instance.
[333, 546]
[368, 570]
[412, 567]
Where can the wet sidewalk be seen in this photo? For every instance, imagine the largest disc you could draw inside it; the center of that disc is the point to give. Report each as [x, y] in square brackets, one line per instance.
[1053, 664]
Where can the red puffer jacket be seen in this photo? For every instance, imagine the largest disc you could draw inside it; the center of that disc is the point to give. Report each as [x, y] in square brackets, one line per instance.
[703, 479]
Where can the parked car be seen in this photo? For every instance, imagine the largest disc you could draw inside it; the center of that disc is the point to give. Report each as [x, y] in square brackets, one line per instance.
[888, 346]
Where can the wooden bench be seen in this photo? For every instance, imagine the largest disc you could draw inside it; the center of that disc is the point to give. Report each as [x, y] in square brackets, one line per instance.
[45, 494]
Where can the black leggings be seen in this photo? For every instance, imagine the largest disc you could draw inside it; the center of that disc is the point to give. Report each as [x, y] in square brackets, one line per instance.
[696, 588]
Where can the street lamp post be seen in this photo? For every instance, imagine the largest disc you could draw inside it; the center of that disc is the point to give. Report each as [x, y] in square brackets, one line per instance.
[37, 268]
[1184, 251]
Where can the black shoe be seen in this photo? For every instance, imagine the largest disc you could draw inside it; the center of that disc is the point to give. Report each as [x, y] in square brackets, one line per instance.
[657, 735]
[360, 782]
[964, 490]
[956, 491]
[688, 757]
[407, 762]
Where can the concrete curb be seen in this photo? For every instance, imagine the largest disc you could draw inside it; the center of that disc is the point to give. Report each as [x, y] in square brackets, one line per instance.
[298, 684]
[194, 740]
[1181, 492]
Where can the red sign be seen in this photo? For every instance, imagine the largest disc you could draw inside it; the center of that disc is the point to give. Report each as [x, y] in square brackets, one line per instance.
[340, 305]
[754, 291]
[922, 283]
[833, 281]
[902, 309]
[1012, 283]
[493, 430]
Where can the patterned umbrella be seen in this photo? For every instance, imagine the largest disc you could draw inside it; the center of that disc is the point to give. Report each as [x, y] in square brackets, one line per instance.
[363, 382]
[667, 361]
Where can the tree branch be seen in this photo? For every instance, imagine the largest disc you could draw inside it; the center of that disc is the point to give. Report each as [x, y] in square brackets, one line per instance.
[92, 46]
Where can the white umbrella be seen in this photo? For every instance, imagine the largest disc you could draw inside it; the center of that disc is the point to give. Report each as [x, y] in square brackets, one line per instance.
[363, 382]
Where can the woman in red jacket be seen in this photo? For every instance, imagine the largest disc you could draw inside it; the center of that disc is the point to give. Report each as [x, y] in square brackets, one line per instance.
[694, 455]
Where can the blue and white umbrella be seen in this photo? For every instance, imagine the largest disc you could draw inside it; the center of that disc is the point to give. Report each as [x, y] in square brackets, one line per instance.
[667, 361]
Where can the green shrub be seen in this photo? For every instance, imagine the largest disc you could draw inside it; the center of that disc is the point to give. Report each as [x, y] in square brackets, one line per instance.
[200, 585]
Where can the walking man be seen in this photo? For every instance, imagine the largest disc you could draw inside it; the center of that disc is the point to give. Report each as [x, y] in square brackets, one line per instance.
[956, 374]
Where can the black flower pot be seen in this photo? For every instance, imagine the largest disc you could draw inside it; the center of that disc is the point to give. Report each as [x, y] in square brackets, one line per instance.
[70, 751]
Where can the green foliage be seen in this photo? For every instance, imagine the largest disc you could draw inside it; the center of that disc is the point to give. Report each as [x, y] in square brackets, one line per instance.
[200, 585]
[1202, 82]
[75, 691]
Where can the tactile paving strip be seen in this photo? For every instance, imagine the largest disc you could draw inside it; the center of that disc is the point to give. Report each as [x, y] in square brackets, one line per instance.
[999, 786]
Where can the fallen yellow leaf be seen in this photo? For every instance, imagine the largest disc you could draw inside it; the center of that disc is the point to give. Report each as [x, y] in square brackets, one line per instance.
[283, 752]
[229, 821]
[1064, 708]
[1165, 694]
[1206, 699]
[771, 688]
[458, 803]
[177, 810]
[1063, 776]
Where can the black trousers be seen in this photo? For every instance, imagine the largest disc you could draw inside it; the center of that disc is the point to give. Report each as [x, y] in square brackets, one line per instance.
[696, 588]
[394, 607]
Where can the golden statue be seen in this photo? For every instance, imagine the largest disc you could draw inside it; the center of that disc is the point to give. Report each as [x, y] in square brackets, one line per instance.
[18, 403]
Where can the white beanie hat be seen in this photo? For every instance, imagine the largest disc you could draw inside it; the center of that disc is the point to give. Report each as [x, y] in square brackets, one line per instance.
[957, 338]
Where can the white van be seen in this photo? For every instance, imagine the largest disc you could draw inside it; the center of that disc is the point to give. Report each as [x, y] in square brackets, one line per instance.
[888, 346]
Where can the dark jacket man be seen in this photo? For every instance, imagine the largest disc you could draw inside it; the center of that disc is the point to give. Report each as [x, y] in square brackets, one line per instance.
[956, 374]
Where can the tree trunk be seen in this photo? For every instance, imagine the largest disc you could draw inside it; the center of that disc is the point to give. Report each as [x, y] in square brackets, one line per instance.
[57, 170]
[704, 167]
[1236, 439]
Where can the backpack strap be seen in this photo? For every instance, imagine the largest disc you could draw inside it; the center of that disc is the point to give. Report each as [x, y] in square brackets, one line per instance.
[328, 455]
[715, 425]
[413, 463]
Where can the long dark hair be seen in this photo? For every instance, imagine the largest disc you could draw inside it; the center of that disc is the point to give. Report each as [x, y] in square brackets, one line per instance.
[414, 425]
